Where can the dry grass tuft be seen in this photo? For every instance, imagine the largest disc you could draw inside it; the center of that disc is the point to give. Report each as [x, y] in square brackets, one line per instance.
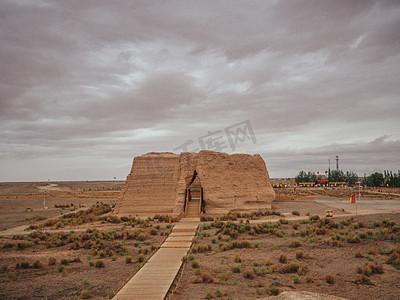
[330, 279]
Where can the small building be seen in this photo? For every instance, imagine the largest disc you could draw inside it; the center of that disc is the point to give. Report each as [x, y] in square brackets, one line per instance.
[306, 184]
[338, 184]
[321, 182]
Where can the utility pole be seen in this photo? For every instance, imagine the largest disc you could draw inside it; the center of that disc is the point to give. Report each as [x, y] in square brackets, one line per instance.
[329, 169]
[359, 194]
[337, 162]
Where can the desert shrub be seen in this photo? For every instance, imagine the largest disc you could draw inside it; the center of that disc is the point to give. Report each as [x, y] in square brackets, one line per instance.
[22, 265]
[295, 213]
[295, 225]
[23, 245]
[313, 218]
[358, 253]
[388, 223]
[64, 273]
[91, 263]
[65, 262]
[99, 263]
[61, 268]
[308, 279]
[195, 264]
[86, 294]
[144, 251]
[370, 269]
[358, 269]
[245, 244]
[209, 295]
[110, 293]
[204, 248]
[140, 258]
[330, 279]
[235, 269]
[361, 224]
[207, 278]
[371, 250]
[37, 264]
[249, 274]
[7, 245]
[218, 293]
[377, 269]
[272, 291]
[234, 245]
[394, 259]
[191, 257]
[353, 239]
[289, 268]
[237, 258]
[308, 256]
[295, 244]
[302, 270]
[283, 221]
[101, 254]
[296, 279]
[128, 259]
[282, 258]
[299, 254]
[362, 279]
[85, 281]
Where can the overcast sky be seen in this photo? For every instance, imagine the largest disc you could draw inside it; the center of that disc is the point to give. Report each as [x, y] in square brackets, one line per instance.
[85, 86]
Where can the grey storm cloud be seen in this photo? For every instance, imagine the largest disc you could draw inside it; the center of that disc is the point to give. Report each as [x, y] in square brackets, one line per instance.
[87, 85]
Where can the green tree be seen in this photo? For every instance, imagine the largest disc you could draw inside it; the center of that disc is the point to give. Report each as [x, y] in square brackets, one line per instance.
[375, 179]
[301, 177]
[337, 176]
[392, 180]
[351, 177]
[305, 177]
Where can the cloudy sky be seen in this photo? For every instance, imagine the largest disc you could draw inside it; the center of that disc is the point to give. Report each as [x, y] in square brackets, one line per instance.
[85, 86]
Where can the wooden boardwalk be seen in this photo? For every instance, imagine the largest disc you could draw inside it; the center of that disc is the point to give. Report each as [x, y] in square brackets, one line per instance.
[155, 278]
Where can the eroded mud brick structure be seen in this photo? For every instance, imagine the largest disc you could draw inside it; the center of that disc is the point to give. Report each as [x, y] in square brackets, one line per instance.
[190, 183]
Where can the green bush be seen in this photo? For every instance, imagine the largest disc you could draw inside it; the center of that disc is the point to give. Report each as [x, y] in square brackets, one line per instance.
[282, 258]
[37, 264]
[61, 268]
[52, 261]
[99, 263]
[235, 269]
[249, 274]
[294, 244]
[86, 294]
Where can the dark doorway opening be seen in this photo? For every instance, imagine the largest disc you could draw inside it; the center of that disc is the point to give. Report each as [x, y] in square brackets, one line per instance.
[194, 204]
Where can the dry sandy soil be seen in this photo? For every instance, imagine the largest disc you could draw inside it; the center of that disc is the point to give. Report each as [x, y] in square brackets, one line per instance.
[321, 254]
[21, 201]
[319, 259]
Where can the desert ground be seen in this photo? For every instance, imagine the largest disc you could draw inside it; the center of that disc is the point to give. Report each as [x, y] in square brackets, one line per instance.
[77, 249]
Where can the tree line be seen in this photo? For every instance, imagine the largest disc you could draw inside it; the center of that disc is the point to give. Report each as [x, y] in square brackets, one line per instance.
[387, 178]
[349, 177]
[377, 179]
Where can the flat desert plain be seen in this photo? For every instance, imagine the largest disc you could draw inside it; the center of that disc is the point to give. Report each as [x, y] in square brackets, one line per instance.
[76, 248]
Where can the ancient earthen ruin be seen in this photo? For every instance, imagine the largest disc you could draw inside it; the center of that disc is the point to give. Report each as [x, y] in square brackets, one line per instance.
[189, 183]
